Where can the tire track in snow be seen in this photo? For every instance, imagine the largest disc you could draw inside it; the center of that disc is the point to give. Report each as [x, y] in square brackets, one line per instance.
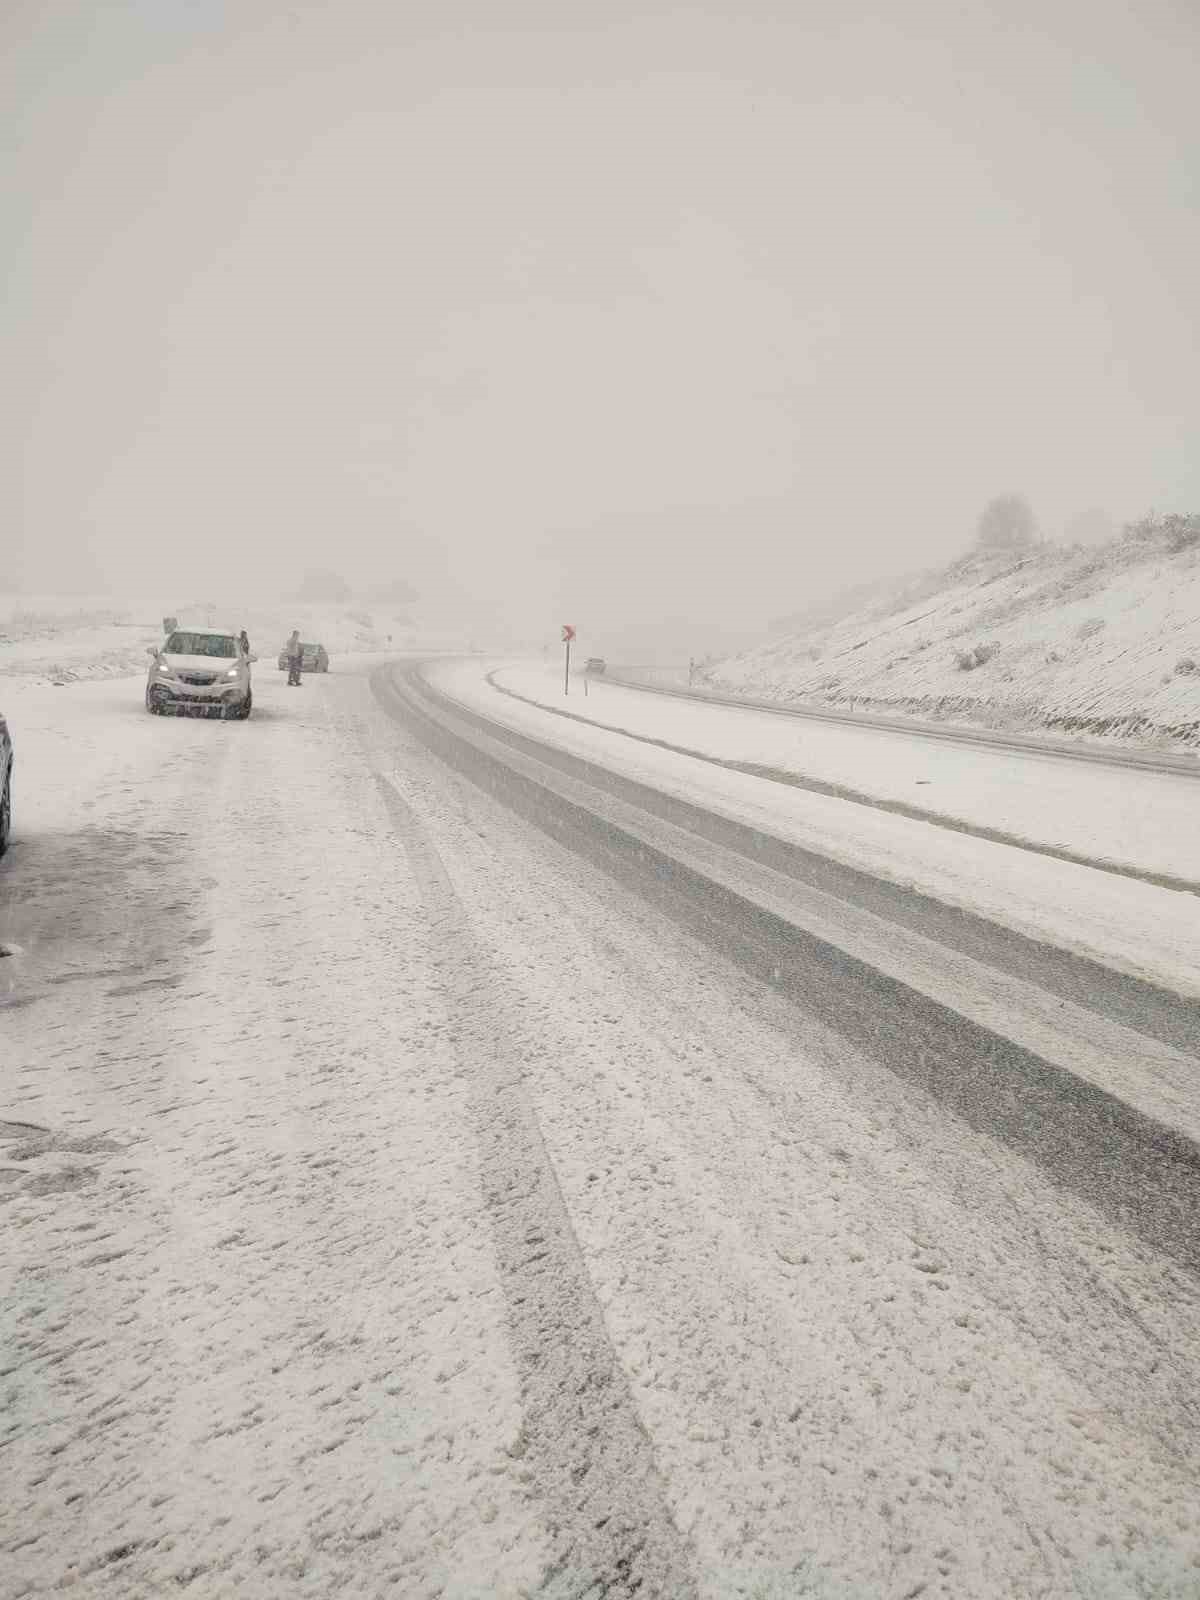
[591, 1460]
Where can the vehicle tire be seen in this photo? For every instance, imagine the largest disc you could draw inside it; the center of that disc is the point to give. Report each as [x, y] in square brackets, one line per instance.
[152, 705]
[246, 707]
[5, 812]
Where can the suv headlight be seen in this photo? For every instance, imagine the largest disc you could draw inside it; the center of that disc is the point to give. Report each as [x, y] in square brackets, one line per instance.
[232, 673]
[164, 671]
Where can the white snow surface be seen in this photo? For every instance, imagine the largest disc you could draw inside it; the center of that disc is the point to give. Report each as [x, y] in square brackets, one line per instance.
[256, 1334]
[1111, 814]
[1137, 927]
[1083, 640]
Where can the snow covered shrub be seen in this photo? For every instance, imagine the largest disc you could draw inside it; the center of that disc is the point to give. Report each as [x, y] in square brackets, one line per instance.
[1174, 531]
[1186, 666]
[968, 660]
[1087, 628]
[1182, 533]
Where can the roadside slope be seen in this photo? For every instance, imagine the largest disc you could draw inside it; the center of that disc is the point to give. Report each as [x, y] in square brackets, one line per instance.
[1091, 642]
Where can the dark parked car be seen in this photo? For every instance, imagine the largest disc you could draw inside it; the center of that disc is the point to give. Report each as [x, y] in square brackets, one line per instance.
[315, 658]
[6, 766]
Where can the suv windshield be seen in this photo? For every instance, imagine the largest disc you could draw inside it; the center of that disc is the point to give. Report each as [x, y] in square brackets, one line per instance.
[200, 644]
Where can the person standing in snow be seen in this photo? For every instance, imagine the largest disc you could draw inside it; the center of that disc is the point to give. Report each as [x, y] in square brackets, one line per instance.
[295, 657]
[244, 641]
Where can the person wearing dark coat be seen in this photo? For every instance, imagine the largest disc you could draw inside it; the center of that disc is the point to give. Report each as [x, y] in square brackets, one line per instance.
[295, 657]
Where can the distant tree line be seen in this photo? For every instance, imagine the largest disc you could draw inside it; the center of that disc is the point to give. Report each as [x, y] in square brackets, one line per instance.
[1006, 526]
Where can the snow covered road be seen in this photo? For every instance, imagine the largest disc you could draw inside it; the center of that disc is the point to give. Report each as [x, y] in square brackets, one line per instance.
[1087, 802]
[1123, 921]
[432, 1169]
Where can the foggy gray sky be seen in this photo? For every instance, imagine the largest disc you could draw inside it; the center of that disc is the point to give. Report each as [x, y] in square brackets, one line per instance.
[595, 309]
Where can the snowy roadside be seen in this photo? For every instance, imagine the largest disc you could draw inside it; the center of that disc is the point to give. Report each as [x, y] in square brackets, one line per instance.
[1126, 817]
[1132, 926]
[1099, 642]
[252, 1337]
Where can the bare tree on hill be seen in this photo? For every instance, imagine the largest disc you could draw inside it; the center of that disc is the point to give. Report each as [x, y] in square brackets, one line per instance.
[1006, 523]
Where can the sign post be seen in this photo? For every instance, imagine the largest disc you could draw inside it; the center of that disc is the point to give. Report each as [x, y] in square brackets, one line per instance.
[568, 634]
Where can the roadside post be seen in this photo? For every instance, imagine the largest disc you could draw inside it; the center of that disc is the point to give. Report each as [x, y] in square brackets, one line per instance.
[568, 634]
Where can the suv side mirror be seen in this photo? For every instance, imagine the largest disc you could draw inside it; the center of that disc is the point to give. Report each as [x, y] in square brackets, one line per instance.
[152, 650]
[251, 658]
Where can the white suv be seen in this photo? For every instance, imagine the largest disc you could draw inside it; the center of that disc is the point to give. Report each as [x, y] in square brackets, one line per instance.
[200, 671]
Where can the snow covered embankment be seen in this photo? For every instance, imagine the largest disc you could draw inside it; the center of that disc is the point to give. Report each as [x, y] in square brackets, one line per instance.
[63, 642]
[1102, 642]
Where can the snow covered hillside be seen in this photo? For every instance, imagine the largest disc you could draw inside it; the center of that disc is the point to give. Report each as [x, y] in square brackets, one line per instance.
[1102, 641]
[61, 640]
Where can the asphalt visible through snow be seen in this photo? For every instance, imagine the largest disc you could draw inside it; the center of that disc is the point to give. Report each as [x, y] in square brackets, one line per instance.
[436, 1165]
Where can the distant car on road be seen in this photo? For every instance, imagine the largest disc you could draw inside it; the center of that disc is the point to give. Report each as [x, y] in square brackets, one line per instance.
[6, 766]
[315, 659]
[595, 665]
[195, 670]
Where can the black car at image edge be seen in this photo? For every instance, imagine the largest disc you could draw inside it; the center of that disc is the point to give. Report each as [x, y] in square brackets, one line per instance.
[6, 766]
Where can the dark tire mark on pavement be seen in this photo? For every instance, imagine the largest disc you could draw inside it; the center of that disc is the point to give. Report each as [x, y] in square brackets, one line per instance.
[592, 1462]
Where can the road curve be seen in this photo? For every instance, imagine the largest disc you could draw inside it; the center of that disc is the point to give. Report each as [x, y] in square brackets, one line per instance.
[1089, 1073]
